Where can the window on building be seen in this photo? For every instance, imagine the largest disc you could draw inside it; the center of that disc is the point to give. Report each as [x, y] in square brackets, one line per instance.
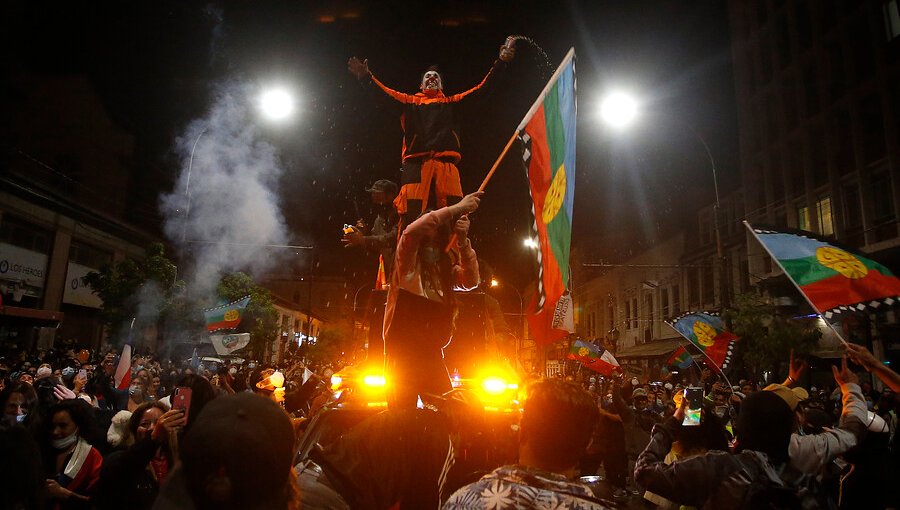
[795, 167]
[863, 55]
[783, 44]
[664, 303]
[705, 227]
[872, 123]
[87, 255]
[648, 304]
[882, 199]
[634, 313]
[837, 77]
[891, 11]
[767, 264]
[611, 315]
[676, 300]
[777, 177]
[811, 86]
[627, 314]
[803, 25]
[693, 287]
[24, 235]
[818, 156]
[823, 216]
[708, 278]
[803, 217]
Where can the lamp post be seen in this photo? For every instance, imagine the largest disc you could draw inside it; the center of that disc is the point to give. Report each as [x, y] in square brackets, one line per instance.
[496, 283]
[619, 110]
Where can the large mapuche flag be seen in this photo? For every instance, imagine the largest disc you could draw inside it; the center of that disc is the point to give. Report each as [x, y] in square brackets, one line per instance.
[832, 279]
[227, 316]
[547, 134]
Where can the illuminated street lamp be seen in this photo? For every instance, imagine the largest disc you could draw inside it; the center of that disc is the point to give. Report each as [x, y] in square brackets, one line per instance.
[619, 110]
[530, 243]
[276, 104]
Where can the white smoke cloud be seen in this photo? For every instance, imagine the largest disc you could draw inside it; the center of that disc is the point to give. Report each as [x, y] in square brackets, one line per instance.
[224, 205]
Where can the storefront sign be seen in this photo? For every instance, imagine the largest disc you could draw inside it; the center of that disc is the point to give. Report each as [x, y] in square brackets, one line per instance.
[77, 292]
[22, 272]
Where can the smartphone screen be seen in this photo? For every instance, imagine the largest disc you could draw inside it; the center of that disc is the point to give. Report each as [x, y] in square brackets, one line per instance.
[82, 373]
[181, 399]
[694, 398]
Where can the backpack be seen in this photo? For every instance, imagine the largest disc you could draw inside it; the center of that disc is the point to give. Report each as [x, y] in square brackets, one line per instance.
[758, 485]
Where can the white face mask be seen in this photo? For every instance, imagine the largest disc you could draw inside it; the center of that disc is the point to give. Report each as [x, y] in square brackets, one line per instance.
[65, 442]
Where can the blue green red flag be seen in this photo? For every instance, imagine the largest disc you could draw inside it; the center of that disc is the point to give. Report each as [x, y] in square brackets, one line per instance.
[832, 279]
[707, 332]
[680, 358]
[547, 136]
[227, 316]
[596, 358]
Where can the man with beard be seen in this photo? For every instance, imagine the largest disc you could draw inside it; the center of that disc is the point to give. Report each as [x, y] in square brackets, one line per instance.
[431, 144]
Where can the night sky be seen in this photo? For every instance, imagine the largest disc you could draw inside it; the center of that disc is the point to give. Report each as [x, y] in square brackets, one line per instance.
[155, 64]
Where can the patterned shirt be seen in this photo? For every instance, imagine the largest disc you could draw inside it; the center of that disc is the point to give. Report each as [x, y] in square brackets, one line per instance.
[519, 487]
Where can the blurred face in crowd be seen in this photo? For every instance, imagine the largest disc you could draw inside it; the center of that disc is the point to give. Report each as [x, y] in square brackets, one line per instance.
[137, 388]
[26, 378]
[148, 422]
[640, 403]
[15, 405]
[746, 389]
[154, 384]
[63, 425]
[143, 374]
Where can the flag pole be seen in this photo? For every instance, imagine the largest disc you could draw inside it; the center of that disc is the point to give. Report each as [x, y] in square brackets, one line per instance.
[818, 312]
[531, 111]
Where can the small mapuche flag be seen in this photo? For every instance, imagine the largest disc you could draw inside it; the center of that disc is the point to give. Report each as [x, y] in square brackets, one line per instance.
[832, 279]
[707, 332]
[226, 316]
[593, 357]
[680, 358]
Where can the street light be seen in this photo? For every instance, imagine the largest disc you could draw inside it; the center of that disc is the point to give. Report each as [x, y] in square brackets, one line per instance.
[619, 110]
[496, 283]
[276, 104]
[530, 243]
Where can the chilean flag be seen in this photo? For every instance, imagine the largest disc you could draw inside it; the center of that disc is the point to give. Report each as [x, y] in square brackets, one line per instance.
[123, 369]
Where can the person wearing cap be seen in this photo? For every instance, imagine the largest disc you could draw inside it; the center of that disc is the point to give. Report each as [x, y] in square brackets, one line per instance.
[382, 237]
[811, 453]
[237, 455]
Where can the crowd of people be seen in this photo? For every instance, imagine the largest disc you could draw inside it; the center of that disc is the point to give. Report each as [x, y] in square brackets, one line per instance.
[76, 440]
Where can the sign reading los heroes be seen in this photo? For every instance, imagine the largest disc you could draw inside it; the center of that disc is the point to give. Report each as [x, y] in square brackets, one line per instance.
[26, 270]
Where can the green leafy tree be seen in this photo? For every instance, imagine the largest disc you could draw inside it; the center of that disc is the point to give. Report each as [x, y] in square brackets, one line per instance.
[120, 285]
[767, 337]
[260, 317]
[334, 342]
